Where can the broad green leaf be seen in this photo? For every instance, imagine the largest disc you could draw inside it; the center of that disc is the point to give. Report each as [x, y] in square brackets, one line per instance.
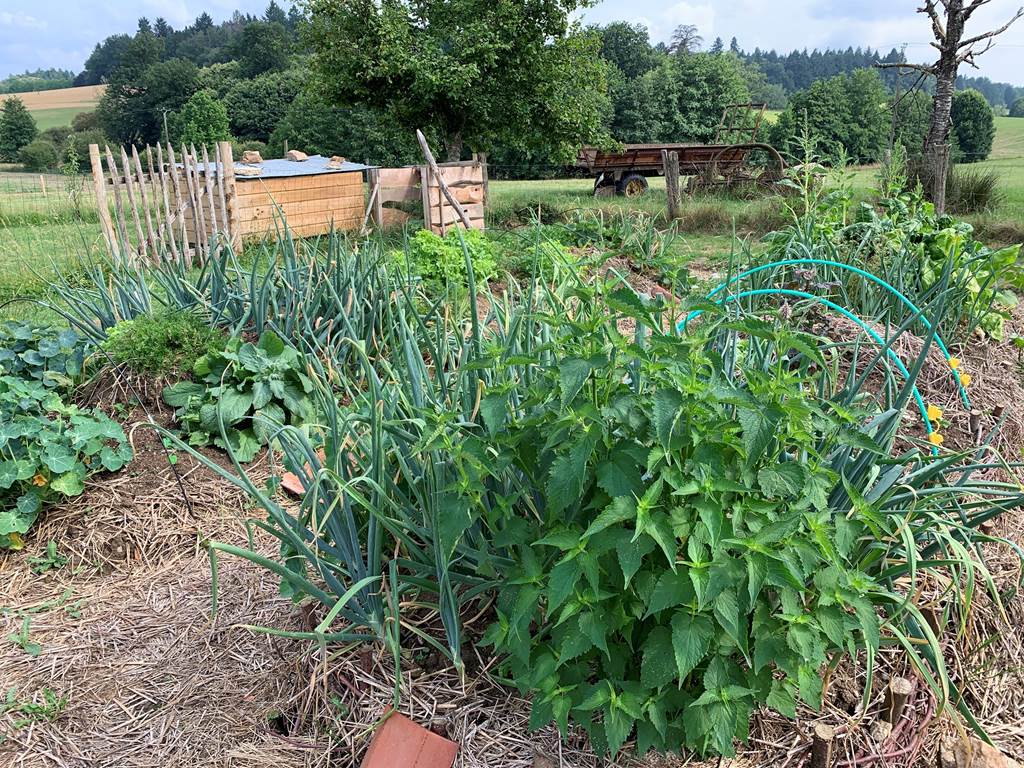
[572, 374]
[70, 484]
[657, 667]
[621, 510]
[691, 640]
[673, 589]
[564, 578]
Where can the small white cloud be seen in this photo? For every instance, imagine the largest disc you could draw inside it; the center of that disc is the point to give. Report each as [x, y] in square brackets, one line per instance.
[700, 15]
[20, 20]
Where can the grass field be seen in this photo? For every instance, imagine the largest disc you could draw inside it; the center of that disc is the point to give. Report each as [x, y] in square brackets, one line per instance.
[57, 107]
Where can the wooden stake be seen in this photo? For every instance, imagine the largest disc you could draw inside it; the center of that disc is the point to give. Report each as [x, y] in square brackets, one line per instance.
[821, 746]
[168, 212]
[440, 180]
[100, 188]
[208, 179]
[115, 182]
[998, 411]
[132, 202]
[221, 167]
[896, 699]
[974, 423]
[42, 184]
[227, 162]
[670, 164]
[154, 250]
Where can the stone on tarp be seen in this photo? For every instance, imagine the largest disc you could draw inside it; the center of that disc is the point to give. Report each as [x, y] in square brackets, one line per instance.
[251, 156]
[336, 161]
[401, 743]
[243, 170]
[295, 155]
[973, 753]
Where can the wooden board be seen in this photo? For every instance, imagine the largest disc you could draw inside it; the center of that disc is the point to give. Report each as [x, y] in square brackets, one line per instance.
[341, 219]
[269, 207]
[298, 196]
[288, 183]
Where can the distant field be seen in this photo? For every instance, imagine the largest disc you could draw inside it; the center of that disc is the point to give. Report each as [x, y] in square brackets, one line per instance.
[58, 107]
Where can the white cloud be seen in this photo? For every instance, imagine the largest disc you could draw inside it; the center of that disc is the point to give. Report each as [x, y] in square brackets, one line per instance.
[700, 15]
[20, 20]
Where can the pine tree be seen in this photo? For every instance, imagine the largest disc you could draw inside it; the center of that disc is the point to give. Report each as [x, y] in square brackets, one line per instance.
[718, 46]
[17, 128]
[734, 46]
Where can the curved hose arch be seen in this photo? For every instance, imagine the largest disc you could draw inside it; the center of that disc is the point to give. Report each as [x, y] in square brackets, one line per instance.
[858, 271]
[849, 316]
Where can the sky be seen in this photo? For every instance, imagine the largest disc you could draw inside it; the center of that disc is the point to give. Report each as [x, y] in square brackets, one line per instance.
[62, 33]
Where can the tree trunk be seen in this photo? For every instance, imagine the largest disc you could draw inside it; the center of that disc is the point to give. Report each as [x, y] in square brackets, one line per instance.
[936, 143]
[453, 148]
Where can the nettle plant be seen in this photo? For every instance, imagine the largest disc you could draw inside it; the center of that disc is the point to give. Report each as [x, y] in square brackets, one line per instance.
[47, 450]
[242, 394]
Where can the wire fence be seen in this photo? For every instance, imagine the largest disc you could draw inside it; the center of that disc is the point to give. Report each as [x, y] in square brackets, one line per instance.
[39, 198]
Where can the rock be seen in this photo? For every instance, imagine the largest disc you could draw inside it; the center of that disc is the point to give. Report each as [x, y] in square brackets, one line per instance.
[973, 753]
[296, 156]
[247, 171]
[336, 162]
[251, 156]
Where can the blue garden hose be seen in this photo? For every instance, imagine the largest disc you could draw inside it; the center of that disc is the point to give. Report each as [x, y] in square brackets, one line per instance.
[856, 270]
[850, 316]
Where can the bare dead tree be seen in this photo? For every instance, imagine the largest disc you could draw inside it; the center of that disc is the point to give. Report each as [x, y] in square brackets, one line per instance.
[685, 39]
[948, 20]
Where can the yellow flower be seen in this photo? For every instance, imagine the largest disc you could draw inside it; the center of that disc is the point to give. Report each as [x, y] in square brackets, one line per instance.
[965, 379]
[935, 438]
[39, 480]
[934, 413]
[954, 363]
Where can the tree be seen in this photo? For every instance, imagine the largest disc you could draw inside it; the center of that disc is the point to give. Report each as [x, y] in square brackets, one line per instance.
[843, 114]
[161, 28]
[974, 126]
[263, 47]
[718, 46]
[1009, 96]
[452, 66]
[17, 128]
[1017, 109]
[685, 39]
[104, 59]
[913, 115]
[132, 111]
[275, 14]
[948, 22]
[685, 96]
[255, 107]
[734, 46]
[628, 47]
[202, 121]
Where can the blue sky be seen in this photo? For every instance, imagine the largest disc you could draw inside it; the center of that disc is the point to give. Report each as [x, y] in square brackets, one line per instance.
[61, 33]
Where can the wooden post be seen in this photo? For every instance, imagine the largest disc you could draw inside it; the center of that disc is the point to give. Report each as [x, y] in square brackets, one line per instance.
[821, 746]
[169, 215]
[374, 206]
[154, 251]
[482, 158]
[440, 180]
[286, 147]
[208, 181]
[231, 194]
[670, 164]
[42, 184]
[106, 224]
[896, 698]
[115, 183]
[129, 185]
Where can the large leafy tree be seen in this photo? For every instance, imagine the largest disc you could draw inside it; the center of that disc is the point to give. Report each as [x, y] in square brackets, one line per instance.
[973, 125]
[255, 107]
[17, 128]
[202, 121]
[478, 72]
[628, 47]
[263, 46]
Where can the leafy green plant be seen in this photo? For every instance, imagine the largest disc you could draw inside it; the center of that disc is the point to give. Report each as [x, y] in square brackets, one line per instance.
[162, 344]
[242, 394]
[28, 712]
[22, 639]
[441, 262]
[52, 559]
[47, 450]
[54, 357]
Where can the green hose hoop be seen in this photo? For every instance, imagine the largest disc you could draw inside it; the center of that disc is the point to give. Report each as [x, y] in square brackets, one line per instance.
[856, 270]
[850, 316]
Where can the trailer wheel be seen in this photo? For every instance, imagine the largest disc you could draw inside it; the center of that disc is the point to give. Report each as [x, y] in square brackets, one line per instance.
[631, 185]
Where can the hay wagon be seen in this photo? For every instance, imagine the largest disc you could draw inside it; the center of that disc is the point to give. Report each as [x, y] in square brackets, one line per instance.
[735, 159]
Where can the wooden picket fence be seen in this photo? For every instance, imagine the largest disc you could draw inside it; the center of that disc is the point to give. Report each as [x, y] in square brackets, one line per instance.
[172, 208]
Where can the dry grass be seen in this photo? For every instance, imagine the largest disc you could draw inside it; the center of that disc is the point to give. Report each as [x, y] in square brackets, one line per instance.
[84, 97]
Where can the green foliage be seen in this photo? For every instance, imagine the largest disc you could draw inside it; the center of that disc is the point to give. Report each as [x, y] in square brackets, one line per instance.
[974, 126]
[25, 712]
[441, 261]
[263, 47]
[628, 47]
[162, 344]
[1017, 109]
[48, 449]
[38, 80]
[242, 395]
[202, 121]
[846, 114]
[447, 66]
[52, 357]
[17, 128]
[255, 107]
[970, 190]
[39, 155]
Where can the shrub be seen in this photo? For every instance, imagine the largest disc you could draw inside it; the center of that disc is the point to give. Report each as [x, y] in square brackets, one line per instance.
[17, 128]
[250, 389]
[39, 155]
[49, 448]
[81, 141]
[973, 191]
[202, 121]
[974, 126]
[163, 344]
[85, 121]
[441, 262]
[54, 358]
